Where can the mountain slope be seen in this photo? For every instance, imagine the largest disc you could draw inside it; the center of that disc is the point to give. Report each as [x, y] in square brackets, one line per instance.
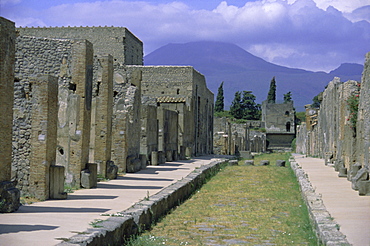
[241, 70]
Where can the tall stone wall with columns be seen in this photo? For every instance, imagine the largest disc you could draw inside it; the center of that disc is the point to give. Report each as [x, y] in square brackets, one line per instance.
[187, 84]
[71, 62]
[339, 131]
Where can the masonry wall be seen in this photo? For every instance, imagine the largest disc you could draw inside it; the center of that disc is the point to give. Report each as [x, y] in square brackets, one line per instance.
[126, 122]
[149, 130]
[119, 42]
[341, 135]
[7, 54]
[184, 82]
[363, 122]
[43, 134]
[34, 56]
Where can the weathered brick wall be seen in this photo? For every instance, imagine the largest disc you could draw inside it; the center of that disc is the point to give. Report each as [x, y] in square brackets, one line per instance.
[119, 42]
[7, 54]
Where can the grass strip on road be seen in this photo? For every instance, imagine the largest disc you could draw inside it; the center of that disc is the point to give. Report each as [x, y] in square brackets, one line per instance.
[241, 205]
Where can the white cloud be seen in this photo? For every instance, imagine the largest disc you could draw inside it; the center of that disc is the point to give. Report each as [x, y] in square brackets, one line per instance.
[305, 33]
[342, 5]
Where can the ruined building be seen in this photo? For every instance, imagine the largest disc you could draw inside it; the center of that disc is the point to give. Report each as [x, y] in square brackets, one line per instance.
[79, 110]
[279, 121]
[339, 130]
[182, 89]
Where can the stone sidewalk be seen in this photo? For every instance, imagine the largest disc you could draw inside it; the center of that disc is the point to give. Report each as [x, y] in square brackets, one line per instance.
[48, 222]
[348, 209]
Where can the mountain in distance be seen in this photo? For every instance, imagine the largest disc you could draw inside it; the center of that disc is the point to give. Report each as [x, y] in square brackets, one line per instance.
[242, 71]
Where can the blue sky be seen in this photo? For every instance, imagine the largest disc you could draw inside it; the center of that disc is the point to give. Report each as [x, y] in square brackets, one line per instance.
[309, 34]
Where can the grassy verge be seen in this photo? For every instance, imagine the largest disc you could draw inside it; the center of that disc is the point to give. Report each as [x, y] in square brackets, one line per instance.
[258, 205]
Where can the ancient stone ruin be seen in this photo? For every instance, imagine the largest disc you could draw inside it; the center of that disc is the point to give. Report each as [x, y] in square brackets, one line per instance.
[85, 106]
[338, 131]
[275, 132]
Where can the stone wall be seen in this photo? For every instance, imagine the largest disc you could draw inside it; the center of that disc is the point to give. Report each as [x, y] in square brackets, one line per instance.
[7, 51]
[279, 121]
[9, 195]
[119, 42]
[187, 85]
[149, 130]
[35, 56]
[231, 138]
[126, 119]
[340, 134]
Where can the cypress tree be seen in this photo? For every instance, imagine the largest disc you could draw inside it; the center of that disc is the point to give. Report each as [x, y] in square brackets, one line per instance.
[235, 108]
[288, 97]
[271, 96]
[219, 105]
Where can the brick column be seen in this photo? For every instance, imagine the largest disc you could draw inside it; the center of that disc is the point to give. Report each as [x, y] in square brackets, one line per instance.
[9, 196]
[43, 133]
[103, 115]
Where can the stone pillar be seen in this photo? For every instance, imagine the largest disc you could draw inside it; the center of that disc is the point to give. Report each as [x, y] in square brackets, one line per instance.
[82, 74]
[9, 195]
[119, 144]
[43, 133]
[103, 115]
[154, 158]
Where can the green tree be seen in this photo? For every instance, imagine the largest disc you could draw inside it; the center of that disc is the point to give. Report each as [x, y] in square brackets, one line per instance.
[251, 110]
[316, 101]
[236, 108]
[288, 97]
[271, 96]
[219, 105]
[244, 106]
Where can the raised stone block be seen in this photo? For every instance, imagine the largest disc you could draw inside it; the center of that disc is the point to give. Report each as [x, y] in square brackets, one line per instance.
[280, 163]
[89, 176]
[57, 182]
[264, 163]
[112, 170]
[363, 187]
[361, 175]
[169, 155]
[175, 155]
[144, 161]
[182, 153]
[342, 172]
[161, 157]
[133, 164]
[9, 197]
[233, 163]
[249, 163]
[246, 155]
[354, 170]
[154, 158]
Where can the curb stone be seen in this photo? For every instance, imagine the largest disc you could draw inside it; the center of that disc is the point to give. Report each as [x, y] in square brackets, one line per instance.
[120, 227]
[327, 229]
